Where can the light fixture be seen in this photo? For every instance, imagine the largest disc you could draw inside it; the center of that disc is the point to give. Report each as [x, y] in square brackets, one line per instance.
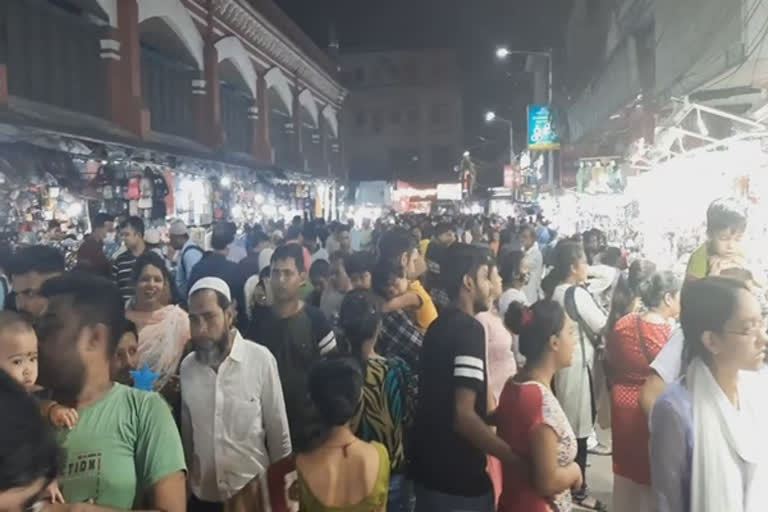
[466, 154]
[226, 181]
[502, 52]
[490, 116]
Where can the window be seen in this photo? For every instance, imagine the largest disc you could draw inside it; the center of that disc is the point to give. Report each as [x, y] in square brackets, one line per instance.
[404, 161]
[360, 119]
[395, 117]
[443, 158]
[438, 114]
[413, 116]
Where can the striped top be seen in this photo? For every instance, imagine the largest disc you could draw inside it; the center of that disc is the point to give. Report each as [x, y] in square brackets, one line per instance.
[122, 271]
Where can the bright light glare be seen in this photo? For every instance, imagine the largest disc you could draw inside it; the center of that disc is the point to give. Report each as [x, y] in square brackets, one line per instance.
[490, 116]
[259, 199]
[466, 154]
[74, 210]
[269, 210]
[502, 52]
[226, 181]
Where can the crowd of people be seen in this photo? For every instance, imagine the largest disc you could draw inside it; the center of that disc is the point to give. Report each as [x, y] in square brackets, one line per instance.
[427, 364]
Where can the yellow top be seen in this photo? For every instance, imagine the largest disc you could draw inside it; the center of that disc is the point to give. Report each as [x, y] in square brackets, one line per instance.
[427, 313]
[374, 501]
[423, 246]
[698, 265]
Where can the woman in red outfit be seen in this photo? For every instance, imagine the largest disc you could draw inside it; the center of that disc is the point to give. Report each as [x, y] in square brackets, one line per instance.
[529, 417]
[632, 346]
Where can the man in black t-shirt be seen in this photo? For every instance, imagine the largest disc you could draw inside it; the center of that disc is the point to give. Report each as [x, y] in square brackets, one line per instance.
[450, 437]
[298, 335]
[445, 237]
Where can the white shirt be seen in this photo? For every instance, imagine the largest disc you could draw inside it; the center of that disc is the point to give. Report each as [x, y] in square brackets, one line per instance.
[320, 254]
[508, 297]
[669, 362]
[265, 257]
[535, 262]
[233, 421]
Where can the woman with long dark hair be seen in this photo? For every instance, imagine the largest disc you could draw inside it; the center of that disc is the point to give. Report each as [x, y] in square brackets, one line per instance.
[388, 390]
[626, 295]
[573, 385]
[632, 346]
[341, 472]
[708, 449]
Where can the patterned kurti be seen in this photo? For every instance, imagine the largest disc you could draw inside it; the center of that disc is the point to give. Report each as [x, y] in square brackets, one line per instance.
[632, 347]
[386, 406]
[523, 407]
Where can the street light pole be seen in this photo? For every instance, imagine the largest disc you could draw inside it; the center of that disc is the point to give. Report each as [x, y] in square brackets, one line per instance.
[503, 53]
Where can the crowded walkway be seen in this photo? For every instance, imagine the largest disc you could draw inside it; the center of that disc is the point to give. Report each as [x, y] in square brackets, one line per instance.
[435, 364]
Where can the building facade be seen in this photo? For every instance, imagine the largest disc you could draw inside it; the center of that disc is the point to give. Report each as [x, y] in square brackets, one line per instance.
[633, 62]
[403, 117]
[223, 80]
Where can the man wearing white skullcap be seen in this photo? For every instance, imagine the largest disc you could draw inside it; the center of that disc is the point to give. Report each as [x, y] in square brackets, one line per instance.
[234, 424]
[189, 252]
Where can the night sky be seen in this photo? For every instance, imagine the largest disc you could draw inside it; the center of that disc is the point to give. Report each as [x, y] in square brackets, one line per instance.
[474, 28]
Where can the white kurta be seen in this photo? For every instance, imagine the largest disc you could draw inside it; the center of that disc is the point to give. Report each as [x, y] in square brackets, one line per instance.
[572, 383]
[234, 423]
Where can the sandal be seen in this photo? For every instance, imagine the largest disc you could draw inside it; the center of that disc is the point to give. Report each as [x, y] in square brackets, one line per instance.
[600, 449]
[589, 503]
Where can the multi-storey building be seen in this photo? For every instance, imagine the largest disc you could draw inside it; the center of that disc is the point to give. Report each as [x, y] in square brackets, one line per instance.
[403, 117]
[223, 80]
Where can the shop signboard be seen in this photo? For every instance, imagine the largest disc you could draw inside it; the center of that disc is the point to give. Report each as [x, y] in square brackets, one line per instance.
[509, 176]
[542, 133]
[449, 191]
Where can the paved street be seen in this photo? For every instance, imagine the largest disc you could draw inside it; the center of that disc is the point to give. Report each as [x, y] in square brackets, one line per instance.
[600, 475]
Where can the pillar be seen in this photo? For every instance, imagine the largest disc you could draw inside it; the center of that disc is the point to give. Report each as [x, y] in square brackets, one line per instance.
[299, 146]
[207, 97]
[323, 129]
[4, 42]
[261, 145]
[121, 54]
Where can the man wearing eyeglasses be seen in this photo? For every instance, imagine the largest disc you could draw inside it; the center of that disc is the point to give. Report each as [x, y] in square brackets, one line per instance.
[31, 267]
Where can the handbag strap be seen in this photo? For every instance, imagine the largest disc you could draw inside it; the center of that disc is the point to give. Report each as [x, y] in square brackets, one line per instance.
[641, 340]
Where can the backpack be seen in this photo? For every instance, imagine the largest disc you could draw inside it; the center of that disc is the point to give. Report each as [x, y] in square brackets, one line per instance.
[585, 331]
[573, 311]
[181, 259]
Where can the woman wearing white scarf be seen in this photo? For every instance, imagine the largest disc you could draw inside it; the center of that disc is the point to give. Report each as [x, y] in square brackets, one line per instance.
[708, 451]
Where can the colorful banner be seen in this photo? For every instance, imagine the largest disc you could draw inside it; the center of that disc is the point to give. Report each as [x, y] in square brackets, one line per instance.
[542, 133]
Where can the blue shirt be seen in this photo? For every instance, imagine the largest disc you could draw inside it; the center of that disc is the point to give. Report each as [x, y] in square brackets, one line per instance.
[187, 261]
[672, 449]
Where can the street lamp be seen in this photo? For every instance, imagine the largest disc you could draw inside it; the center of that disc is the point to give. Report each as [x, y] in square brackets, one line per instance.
[491, 117]
[502, 52]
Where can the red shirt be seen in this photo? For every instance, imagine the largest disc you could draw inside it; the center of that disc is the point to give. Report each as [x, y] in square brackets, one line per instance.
[91, 257]
[524, 407]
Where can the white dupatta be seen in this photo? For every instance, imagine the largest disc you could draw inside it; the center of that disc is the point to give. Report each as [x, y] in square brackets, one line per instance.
[729, 467]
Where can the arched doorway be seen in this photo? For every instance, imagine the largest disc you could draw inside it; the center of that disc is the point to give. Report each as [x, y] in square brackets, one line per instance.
[171, 58]
[282, 131]
[237, 79]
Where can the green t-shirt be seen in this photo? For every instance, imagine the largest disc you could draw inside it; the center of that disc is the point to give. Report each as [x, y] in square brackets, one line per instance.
[122, 445]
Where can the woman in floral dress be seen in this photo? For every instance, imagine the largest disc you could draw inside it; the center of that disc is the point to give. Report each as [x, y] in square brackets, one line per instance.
[529, 417]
